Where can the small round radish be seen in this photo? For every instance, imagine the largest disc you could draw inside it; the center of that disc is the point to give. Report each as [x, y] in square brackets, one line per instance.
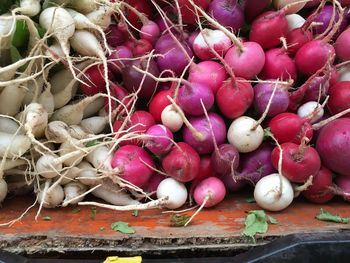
[94, 79]
[150, 31]
[233, 184]
[225, 159]
[158, 102]
[118, 58]
[171, 118]
[343, 183]
[174, 190]
[228, 13]
[114, 36]
[272, 194]
[297, 38]
[160, 141]
[253, 8]
[324, 18]
[243, 136]
[52, 198]
[342, 46]
[309, 108]
[339, 97]
[209, 192]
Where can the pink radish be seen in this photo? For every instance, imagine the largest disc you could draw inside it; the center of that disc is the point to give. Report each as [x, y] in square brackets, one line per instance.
[228, 13]
[159, 141]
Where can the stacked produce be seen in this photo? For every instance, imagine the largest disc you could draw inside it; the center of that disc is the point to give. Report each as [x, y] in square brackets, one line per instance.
[160, 103]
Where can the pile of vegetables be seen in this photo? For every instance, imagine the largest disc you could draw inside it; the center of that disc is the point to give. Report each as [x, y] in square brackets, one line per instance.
[157, 103]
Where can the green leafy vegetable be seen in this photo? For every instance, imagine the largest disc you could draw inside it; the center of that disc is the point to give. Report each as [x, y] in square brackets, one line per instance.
[76, 210]
[135, 213]
[324, 215]
[46, 218]
[251, 200]
[93, 213]
[122, 227]
[256, 222]
[178, 220]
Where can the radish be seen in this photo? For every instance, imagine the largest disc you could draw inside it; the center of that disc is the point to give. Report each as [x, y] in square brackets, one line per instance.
[51, 198]
[253, 8]
[293, 6]
[174, 190]
[339, 97]
[171, 118]
[74, 193]
[113, 194]
[333, 145]
[121, 101]
[297, 37]
[87, 174]
[319, 191]
[118, 58]
[342, 45]
[228, 13]
[294, 21]
[343, 183]
[100, 158]
[202, 141]
[273, 192]
[8, 125]
[225, 159]
[13, 145]
[158, 103]
[153, 183]
[326, 19]
[233, 184]
[28, 7]
[188, 11]
[150, 31]
[299, 162]
[207, 39]
[182, 162]
[160, 140]
[83, 6]
[309, 108]
[134, 164]
[3, 190]
[208, 73]
[268, 28]
[101, 16]
[262, 95]
[114, 36]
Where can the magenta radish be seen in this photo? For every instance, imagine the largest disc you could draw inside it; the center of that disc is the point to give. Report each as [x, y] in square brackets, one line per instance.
[325, 17]
[253, 8]
[150, 31]
[234, 98]
[228, 13]
[133, 78]
[209, 192]
[246, 62]
[299, 162]
[94, 79]
[225, 159]
[342, 45]
[134, 164]
[208, 39]
[121, 94]
[268, 28]
[343, 183]
[206, 168]
[273, 192]
[339, 97]
[333, 145]
[174, 190]
[256, 164]
[190, 96]
[262, 94]
[208, 73]
[204, 144]
[159, 141]
[233, 184]
[319, 192]
[182, 162]
[119, 57]
[278, 65]
[296, 38]
[114, 36]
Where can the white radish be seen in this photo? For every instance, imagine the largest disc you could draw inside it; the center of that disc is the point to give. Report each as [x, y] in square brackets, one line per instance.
[100, 158]
[294, 21]
[48, 167]
[57, 131]
[77, 132]
[11, 98]
[69, 175]
[52, 198]
[83, 6]
[70, 146]
[58, 22]
[10, 126]
[174, 190]
[73, 193]
[171, 118]
[7, 27]
[309, 108]
[87, 174]
[28, 7]
[101, 16]
[272, 194]
[245, 135]
[55, 51]
[94, 125]
[46, 99]
[34, 89]
[344, 73]
[35, 119]
[113, 194]
[3, 190]
[93, 108]
[13, 145]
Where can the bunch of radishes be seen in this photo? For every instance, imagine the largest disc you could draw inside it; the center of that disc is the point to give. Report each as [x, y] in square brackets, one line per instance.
[140, 100]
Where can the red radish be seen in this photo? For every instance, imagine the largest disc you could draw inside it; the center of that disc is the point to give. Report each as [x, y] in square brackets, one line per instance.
[233, 184]
[160, 141]
[133, 164]
[207, 39]
[114, 36]
[150, 31]
[141, 47]
[253, 8]
[268, 28]
[144, 7]
[174, 190]
[262, 94]
[342, 48]
[319, 191]
[289, 127]
[246, 63]
[278, 65]
[234, 98]
[228, 13]
[208, 73]
[299, 162]
[206, 168]
[119, 58]
[205, 144]
[94, 79]
[297, 38]
[158, 103]
[293, 6]
[339, 97]
[182, 162]
[343, 183]
[333, 145]
[209, 192]
[188, 11]
[119, 93]
[225, 159]
[133, 78]
[190, 97]
[153, 183]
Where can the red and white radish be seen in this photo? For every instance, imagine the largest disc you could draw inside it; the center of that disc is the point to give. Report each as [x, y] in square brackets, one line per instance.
[160, 139]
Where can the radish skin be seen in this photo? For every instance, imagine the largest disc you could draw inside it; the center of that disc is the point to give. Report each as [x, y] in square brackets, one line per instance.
[13, 145]
[114, 195]
[10, 126]
[174, 190]
[53, 198]
[72, 191]
[3, 189]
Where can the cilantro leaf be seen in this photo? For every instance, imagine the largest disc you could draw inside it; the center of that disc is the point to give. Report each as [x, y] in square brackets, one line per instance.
[122, 227]
[46, 218]
[135, 213]
[255, 223]
[76, 210]
[324, 215]
[179, 220]
[93, 213]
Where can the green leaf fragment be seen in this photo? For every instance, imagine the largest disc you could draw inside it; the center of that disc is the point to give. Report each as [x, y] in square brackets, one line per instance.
[21, 35]
[122, 227]
[256, 222]
[102, 228]
[93, 213]
[76, 210]
[250, 200]
[324, 215]
[135, 213]
[92, 143]
[272, 220]
[46, 218]
[179, 220]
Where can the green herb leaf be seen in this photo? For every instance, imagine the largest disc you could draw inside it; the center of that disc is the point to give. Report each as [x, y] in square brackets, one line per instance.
[122, 227]
[135, 213]
[46, 218]
[251, 200]
[179, 220]
[272, 220]
[76, 210]
[267, 133]
[255, 223]
[92, 143]
[93, 213]
[102, 228]
[21, 35]
[323, 215]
